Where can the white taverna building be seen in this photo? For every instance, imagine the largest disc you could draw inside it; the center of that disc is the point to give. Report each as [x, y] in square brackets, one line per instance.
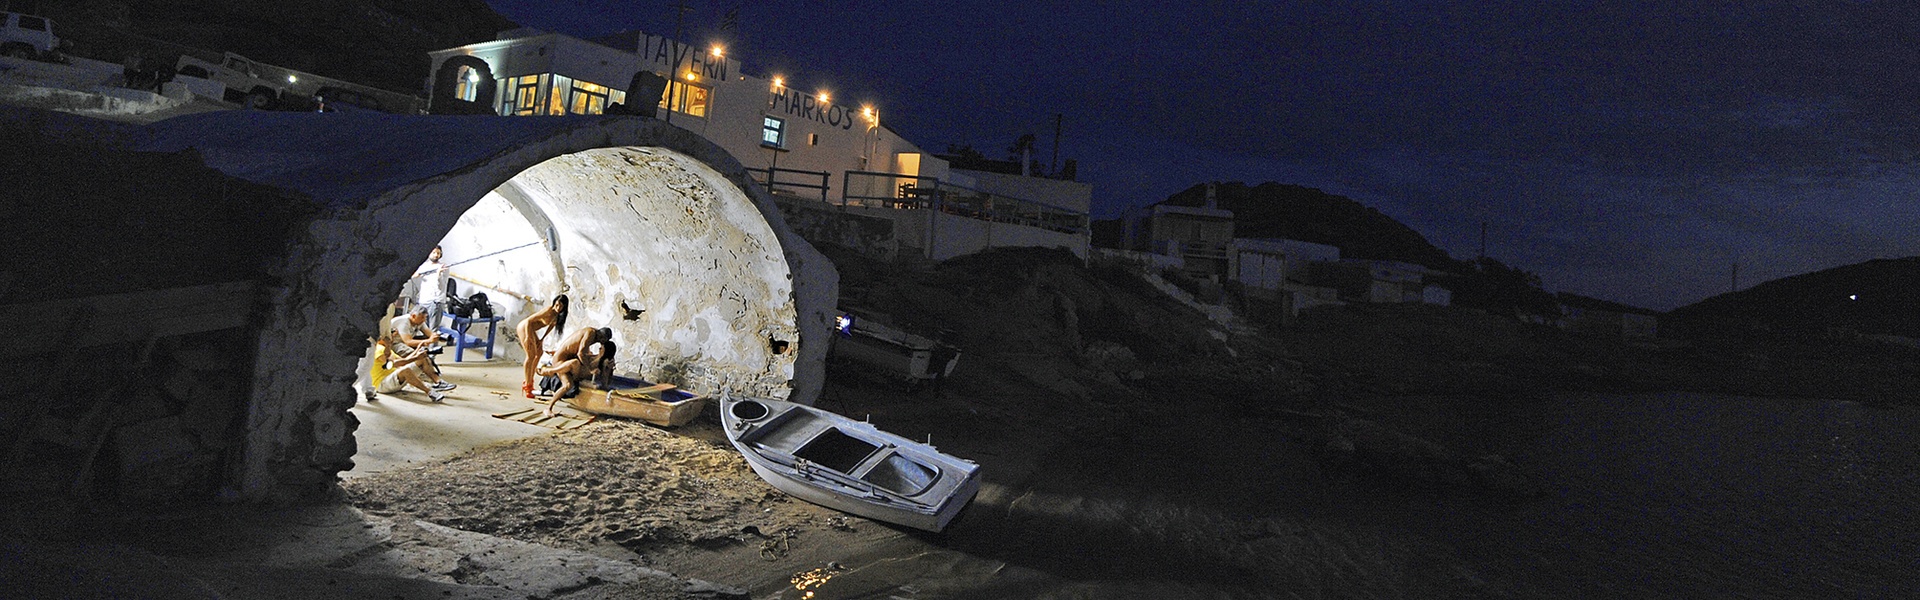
[836, 169]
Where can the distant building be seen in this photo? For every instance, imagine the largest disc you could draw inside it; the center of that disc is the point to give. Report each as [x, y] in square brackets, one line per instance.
[839, 173]
[1380, 281]
[1275, 268]
[1612, 319]
[1199, 236]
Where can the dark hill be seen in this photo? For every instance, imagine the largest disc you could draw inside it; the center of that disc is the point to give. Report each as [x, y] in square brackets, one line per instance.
[1874, 297]
[382, 43]
[1273, 210]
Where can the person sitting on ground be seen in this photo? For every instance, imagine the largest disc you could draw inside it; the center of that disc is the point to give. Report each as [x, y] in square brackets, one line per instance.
[410, 330]
[548, 320]
[595, 364]
[392, 372]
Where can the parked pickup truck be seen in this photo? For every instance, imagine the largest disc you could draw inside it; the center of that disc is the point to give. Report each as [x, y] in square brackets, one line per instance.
[249, 84]
[30, 37]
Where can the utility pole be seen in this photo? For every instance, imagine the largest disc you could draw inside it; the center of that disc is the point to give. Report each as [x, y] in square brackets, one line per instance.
[1054, 167]
[679, 50]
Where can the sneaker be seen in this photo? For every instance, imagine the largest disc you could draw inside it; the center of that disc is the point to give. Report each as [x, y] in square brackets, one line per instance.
[372, 397]
[437, 396]
[444, 386]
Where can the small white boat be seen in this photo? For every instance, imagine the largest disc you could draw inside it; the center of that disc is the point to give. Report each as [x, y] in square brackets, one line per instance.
[866, 339]
[849, 465]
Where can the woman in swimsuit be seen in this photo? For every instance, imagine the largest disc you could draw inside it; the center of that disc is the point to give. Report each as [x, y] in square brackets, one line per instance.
[548, 320]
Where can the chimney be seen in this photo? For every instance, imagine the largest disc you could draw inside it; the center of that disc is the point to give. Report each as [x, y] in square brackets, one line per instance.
[1212, 201]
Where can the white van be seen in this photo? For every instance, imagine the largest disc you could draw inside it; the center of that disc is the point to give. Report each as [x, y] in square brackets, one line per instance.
[28, 36]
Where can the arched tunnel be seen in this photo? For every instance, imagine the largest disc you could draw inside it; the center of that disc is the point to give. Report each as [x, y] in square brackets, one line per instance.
[613, 211]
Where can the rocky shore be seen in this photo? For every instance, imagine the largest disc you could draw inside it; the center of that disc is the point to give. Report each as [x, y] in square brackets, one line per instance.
[1129, 446]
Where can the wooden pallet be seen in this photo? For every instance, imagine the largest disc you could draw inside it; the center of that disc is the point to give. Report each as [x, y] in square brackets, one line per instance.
[559, 421]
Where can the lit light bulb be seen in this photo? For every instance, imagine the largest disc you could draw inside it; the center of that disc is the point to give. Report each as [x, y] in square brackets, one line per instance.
[824, 97]
[719, 51]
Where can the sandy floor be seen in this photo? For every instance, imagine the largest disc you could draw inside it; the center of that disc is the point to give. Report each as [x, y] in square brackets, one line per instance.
[405, 428]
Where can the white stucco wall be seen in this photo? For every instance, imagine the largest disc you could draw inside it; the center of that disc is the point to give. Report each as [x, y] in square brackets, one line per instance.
[958, 236]
[657, 230]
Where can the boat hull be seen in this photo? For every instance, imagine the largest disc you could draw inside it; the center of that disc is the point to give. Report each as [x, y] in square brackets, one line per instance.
[847, 465]
[659, 404]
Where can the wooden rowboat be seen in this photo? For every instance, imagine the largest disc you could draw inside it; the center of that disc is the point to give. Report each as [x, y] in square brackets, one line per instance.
[661, 404]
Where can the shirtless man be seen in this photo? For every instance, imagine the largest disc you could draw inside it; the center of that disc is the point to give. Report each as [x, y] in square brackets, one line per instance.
[548, 320]
[593, 361]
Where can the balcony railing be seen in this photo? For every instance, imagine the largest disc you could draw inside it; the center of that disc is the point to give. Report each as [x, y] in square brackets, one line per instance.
[887, 190]
[811, 185]
[872, 189]
[987, 206]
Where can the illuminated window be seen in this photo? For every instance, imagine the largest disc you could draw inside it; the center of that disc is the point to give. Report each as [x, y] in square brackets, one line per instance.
[773, 132]
[466, 83]
[521, 95]
[813, 139]
[589, 98]
[557, 95]
[687, 98]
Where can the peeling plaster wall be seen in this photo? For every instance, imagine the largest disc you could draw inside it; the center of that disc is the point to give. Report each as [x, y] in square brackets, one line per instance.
[496, 227]
[408, 180]
[657, 230]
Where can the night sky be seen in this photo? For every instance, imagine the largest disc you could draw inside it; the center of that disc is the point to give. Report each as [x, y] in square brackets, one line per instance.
[1632, 151]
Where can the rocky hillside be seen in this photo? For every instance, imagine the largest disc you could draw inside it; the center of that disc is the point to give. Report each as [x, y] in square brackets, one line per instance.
[1274, 210]
[382, 43]
[1873, 297]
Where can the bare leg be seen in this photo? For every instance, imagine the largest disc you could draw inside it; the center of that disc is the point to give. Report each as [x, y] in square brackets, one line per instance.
[531, 345]
[566, 383]
[561, 369]
[412, 376]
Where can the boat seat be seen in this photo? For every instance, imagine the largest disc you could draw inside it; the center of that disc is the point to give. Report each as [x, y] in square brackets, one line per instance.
[655, 388]
[652, 392]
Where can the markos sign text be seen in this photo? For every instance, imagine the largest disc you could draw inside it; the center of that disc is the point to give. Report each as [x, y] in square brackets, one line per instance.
[804, 106]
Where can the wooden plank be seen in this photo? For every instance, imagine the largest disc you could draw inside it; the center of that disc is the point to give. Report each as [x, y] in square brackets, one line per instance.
[158, 313]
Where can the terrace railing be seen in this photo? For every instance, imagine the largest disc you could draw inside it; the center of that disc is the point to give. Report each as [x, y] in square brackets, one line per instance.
[892, 190]
[811, 185]
[987, 206]
[887, 190]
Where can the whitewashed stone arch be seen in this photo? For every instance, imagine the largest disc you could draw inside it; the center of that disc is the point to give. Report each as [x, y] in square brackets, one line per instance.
[389, 187]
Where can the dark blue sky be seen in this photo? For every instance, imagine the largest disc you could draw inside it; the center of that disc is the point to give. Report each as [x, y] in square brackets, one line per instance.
[1632, 151]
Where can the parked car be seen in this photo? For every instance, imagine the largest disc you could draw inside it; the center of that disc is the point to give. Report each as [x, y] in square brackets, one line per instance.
[29, 37]
[249, 84]
[339, 99]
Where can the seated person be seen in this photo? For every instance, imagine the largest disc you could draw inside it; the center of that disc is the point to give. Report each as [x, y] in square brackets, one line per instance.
[392, 371]
[410, 335]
